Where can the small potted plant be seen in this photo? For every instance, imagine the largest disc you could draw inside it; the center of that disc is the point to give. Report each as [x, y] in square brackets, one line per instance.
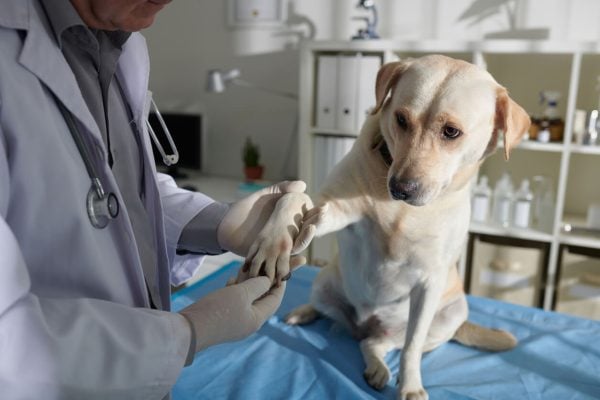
[251, 156]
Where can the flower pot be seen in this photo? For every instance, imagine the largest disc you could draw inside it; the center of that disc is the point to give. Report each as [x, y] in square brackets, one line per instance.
[253, 173]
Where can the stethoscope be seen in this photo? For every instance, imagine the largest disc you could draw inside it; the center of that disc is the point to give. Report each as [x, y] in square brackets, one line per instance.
[102, 206]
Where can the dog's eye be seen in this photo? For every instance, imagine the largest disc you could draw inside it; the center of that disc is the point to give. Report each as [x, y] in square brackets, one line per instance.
[402, 123]
[451, 132]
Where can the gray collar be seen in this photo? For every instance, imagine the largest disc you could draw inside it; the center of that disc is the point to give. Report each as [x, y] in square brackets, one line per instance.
[63, 16]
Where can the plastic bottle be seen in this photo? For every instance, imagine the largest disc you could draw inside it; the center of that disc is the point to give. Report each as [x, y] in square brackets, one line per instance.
[522, 208]
[543, 208]
[591, 134]
[543, 135]
[503, 199]
[550, 127]
[480, 202]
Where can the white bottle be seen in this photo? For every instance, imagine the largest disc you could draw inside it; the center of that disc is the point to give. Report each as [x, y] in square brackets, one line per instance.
[480, 202]
[503, 199]
[591, 134]
[543, 204]
[544, 134]
[522, 208]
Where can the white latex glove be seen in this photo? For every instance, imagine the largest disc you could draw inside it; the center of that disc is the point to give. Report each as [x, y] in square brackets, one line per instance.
[246, 217]
[234, 312]
[283, 235]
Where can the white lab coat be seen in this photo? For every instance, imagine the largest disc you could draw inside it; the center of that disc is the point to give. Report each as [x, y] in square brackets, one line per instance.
[74, 322]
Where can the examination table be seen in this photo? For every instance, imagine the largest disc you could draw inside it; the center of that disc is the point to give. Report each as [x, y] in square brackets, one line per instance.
[558, 356]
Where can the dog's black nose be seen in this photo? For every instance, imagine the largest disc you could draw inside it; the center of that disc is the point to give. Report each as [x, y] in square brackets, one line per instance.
[403, 189]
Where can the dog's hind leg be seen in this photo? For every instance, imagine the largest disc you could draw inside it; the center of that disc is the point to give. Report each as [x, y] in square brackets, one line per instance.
[446, 322]
[484, 338]
[374, 349]
[326, 303]
[326, 299]
[302, 315]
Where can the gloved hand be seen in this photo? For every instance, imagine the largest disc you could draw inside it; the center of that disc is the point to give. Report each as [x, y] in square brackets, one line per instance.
[283, 234]
[233, 312]
[246, 217]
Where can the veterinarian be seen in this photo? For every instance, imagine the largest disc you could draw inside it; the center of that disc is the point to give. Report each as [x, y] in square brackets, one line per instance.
[88, 230]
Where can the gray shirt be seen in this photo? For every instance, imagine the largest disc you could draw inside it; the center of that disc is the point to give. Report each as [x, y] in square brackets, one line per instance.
[93, 56]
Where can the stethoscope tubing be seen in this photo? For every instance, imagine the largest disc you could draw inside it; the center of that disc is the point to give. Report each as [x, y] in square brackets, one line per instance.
[101, 207]
[82, 148]
[168, 159]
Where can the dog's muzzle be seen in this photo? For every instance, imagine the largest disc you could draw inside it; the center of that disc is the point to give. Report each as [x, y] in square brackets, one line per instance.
[400, 189]
[403, 189]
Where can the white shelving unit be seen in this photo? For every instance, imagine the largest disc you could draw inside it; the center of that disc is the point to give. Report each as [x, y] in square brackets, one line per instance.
[525, 68]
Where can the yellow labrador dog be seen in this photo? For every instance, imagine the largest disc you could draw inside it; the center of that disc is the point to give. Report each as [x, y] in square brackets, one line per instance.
[400, 202]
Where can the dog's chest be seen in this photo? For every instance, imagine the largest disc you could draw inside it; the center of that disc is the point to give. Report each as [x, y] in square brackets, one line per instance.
[378, 266]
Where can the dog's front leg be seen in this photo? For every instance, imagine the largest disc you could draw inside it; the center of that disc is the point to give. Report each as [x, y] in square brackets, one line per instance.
[289, 230]
[424, 301]
[332, 215]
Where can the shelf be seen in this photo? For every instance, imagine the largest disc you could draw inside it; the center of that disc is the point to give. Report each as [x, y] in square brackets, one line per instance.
[518, 233]
[578, 235]
[506, 46]
[555, 147]
[333, 132]
[585, 149]
[524, 145]
[539, 146]
[592, 242]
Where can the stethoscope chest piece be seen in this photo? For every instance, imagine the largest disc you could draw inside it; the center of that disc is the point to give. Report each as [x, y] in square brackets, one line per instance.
[101, 207]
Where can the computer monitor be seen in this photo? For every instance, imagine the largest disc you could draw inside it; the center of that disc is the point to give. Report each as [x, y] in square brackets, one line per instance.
[186, 130]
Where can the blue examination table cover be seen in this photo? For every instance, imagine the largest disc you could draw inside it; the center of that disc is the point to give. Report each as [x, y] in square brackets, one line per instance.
[558, 356]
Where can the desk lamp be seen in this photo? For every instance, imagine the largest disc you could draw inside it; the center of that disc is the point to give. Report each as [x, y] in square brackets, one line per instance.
[217, 82]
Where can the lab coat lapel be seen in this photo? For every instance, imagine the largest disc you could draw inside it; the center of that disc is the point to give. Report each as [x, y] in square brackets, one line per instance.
[133, 74]
[42, 56]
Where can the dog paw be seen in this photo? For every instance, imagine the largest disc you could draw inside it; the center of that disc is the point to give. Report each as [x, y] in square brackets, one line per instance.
[377, 375]
[282, 236]
[302, 315]
[413, 394]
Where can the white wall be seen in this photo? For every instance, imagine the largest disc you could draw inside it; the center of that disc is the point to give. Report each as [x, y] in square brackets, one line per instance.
[191, 36]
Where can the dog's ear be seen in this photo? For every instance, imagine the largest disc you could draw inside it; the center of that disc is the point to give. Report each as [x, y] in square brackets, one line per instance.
[511, 120]
[387, 76]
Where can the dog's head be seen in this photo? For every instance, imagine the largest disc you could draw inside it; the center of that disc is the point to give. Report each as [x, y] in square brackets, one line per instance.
[440, 117]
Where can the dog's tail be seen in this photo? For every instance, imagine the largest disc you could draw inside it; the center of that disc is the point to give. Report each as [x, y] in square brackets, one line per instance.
[481, 337]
